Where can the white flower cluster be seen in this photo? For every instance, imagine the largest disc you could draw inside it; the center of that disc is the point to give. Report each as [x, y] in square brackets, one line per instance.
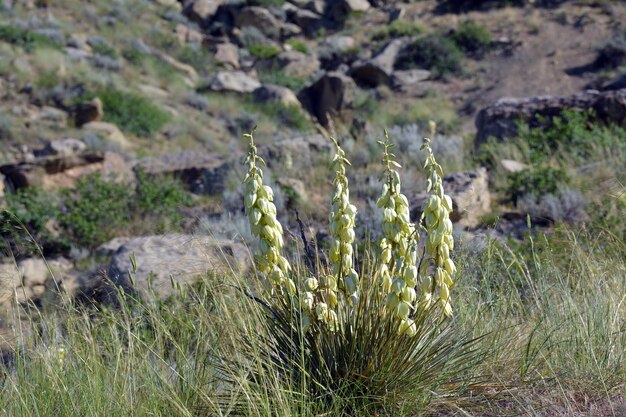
[274, 267]
[342, 217]
[398, 271]
[440, 242]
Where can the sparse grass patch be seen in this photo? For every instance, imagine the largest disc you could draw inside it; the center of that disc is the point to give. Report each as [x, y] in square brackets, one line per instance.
[397, 29]
[277, 76]
[472, 38]
[263, 51]
[298, 45]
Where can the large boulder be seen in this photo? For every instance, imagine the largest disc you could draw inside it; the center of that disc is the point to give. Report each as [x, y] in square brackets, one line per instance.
[329, 95]
[89, 111]
[310, 22]
[177, 258]
[31, 278]
[470, 196]
[201, 11]
[259, 18]
[340, 10]
[379, 69]
[234, 81]
[500, 119]
[202, 173]
[227, 54]
[62, 170]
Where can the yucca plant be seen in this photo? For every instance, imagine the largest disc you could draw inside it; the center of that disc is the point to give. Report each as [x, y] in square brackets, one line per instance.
[359, 342]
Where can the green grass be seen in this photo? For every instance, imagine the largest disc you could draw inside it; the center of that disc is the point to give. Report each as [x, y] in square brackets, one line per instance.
[550, 311]
[262, 51]
[434, 52]
[397, 29]
[26, 39]
[277, 76]
[131, 113]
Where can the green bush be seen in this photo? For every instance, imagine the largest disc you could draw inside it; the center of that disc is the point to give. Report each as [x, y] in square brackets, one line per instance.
[104, 49]
[535, 181]
[397, 29]
[26, 39]
[472, 37]
[434, 52]
[96, 210]
[26, 220]
[263, 51]
[132, 113]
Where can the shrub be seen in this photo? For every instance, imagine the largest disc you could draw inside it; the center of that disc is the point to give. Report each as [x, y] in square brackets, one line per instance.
[96, 210]
[28, 215]
[434, 52]
[26, 39]
[472, 38]
[103, 48]
[536, 182]
[263, 51]
[132, 113]
[397, 29]
[565, 206]
[367, 342]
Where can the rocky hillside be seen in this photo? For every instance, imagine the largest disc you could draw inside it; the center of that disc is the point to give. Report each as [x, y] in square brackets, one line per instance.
[121, 121]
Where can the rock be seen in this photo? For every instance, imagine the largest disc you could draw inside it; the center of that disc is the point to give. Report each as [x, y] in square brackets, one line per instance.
[202, 173]
[275, 94]
[62, 171]
[90, 111]
[510, 165]
[616, 83]
[470, 197]
[186, 35]
[292, 63]
[294, 190]
[108, 131]
[188, 70]
[290, 30]
[310, 22]
[296, 155]
[63, 147]
[500, 119]
[340, 10]
[173, 257]
[227, 54]
[379, 69]
[260, 18]
[329, 95]
[404, 78]
[201, 11]
[235, 81]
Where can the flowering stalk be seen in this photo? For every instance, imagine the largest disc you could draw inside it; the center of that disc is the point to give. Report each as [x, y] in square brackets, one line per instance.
[261, 211]
[440, 242]
[342, 217]
[398, 246]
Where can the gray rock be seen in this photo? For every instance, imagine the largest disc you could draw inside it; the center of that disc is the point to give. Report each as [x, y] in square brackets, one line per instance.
[227, 54]
[329, 95]
[202, 173]
[89, 111]
[500, 119]
[379, 69]
[201, 11]
[63, 147]
[258, 17]
[616, 83]
[177, 258]
[309, 21]
[235, 81]
[296, 155]
[403, 78]
[275, 94]
[340, 10]
[470, 196]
